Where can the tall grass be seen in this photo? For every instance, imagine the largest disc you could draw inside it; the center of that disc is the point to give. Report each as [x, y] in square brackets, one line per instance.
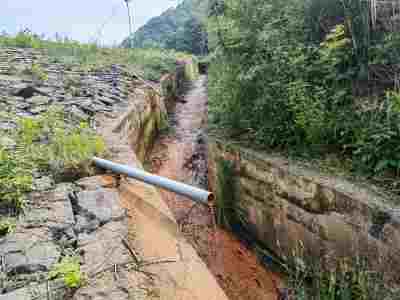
[149, 63]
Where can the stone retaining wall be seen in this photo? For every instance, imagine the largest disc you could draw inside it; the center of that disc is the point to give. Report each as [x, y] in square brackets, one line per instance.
[287, 207]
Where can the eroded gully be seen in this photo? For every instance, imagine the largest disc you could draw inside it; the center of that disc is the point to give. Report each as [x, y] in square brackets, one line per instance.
[181, 154]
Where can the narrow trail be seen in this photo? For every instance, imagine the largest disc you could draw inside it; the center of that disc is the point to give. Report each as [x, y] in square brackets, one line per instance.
[181, 154]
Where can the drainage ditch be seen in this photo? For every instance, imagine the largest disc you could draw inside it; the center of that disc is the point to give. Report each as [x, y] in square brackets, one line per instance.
[181, 154]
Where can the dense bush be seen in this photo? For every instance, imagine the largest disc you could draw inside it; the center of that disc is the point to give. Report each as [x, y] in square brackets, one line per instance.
[15, 180]
[298, 75]
[149, 63]
[46, 144]
[349, 280]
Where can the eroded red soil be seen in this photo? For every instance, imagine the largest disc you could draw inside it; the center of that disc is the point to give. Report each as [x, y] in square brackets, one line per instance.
[177, 156]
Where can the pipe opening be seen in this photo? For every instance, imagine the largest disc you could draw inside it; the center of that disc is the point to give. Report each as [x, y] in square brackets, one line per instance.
[211, 198]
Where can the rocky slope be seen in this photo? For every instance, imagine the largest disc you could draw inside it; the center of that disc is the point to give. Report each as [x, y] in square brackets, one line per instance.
[92, 218]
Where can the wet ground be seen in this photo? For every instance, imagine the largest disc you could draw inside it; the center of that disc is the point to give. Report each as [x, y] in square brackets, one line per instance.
[180, 154]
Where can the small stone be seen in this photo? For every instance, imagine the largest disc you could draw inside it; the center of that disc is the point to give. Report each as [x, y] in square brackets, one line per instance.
[102, 204]
[54, 290]
[8, 125]
[38, 110]
[87, 225]
[96, 182]
[39, 100]
[22, 105]
[78, 114]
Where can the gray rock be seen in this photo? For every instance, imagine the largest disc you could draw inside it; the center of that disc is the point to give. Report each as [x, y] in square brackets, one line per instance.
[85, 224]
[62, 191]
[103, 204]
[106, 288]
[52, 210]
[103, 248]
[38, 109]
[107, 101]
[54, 290]
[18, 89]
[22, 105]
[39, 100]
[54, 215]
[18, 281]
[93, 183]
[77, 114]
[28, 251]
[7, 125]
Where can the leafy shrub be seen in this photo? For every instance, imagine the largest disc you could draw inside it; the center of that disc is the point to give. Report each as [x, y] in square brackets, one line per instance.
[69, 149]
[44, 143]
[293, 76]
[69, 270]
[6, 226]
[348, 281]
[150, 63]
[25, 39]
[225, 207]
[377, 146]
[321, 16]
[15, 179]
[39, 73]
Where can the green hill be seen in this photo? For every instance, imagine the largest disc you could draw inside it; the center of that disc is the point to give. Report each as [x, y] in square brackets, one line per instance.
[181, 28]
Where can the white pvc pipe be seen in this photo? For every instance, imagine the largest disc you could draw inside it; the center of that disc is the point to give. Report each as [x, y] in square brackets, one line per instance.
[196, 194]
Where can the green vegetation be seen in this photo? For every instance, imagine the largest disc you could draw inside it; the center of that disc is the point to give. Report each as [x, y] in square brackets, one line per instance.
[182, 29]
[225, 205]
[48, 144]
[151, 64]
[228, 213]
[7, 226]
[15, 179]
[349, 280]
[38, 73]
[69, 270]
[308, 78]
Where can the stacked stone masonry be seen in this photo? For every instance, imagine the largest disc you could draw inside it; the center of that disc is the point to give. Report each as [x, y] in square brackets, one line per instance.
[290, 209]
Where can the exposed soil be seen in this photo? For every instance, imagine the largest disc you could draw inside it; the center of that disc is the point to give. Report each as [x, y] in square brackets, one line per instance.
[181, 155]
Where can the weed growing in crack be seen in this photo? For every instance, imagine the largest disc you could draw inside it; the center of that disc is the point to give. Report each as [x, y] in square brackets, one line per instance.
[48, 144]
[69, 270]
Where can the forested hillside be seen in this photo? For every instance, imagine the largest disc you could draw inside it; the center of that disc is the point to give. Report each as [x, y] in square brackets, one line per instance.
[317, 78]
[182, 29]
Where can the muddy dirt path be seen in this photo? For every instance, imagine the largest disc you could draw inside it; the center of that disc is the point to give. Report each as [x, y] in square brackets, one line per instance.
[180, 154]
